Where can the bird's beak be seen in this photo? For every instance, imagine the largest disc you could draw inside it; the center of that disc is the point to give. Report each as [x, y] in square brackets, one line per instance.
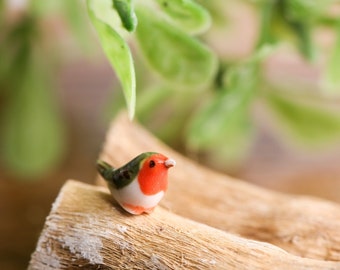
[169, 163]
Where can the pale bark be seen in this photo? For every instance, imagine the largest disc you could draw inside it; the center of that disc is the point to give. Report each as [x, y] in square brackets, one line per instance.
[86, 229]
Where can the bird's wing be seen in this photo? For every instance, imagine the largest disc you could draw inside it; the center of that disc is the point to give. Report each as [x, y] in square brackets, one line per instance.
[123, 176]
[127, 173]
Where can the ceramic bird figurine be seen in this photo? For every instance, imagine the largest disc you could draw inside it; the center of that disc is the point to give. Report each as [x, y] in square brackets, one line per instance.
[139, 185]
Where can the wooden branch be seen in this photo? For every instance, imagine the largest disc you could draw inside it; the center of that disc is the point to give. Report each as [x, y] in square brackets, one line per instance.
[304, 226]
[85, 229]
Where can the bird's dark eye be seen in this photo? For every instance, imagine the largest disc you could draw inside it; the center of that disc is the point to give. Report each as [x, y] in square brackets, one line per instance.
[152, 163]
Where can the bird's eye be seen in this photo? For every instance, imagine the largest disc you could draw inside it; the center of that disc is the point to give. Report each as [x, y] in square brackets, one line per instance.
[152, 163]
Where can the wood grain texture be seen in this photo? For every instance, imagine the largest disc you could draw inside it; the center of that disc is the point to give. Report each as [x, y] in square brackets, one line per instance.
[87, 230]
[304, 226]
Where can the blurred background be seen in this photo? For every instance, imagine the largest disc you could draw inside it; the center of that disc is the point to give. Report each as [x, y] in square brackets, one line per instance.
[248, 88]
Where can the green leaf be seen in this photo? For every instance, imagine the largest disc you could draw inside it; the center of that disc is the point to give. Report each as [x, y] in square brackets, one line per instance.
[119, 55]
[301, 17]
[32, 131]
[287, 20]
[295, 26]
[332, 72]
[222, 127]
[75, 14]
[104, 11]
[223, 124]
[307, 124]
[220, 119]
[15, 50]
[224, 114]
[178, 57]
[187, 15]
[303, 10]
[164, 110]
[303, 32]
[231, 150]
[267, 12]
[151, 100]
[43, 8]
[126, 14]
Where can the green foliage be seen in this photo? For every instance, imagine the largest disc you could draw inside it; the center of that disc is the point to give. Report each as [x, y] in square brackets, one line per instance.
[178, 57]
[208, 105]
[332, 74]
[223, 123]
[282, 20]
[32, 140]
[306, 9]
[186, 15]
[77, 20]
[118, 52]
[309, 124]
[32, 132]
[126, 14]
[187, 93]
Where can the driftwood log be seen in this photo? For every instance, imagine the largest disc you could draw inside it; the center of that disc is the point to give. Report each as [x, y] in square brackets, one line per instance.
[304, 226]
[87, 230]
[248, 227]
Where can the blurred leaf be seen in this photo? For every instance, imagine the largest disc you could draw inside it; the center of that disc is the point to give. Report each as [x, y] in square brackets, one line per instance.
[41, 8]
[303, 32]
[308, 124]
[126, 14]
[166, 111]
[15, 51]
[224, 120]
[293, 21]
[114, 104]
[303, 10]
[301, 16]
[32, 134]
[216, 10]
[332, 72]
[105, 11]
[77, 20]
[151, 100]
[218, 120]
[223, 123]
[119, 55]
[175, 55]
[267, 12]
[221, 126]
[278, 24]
[232, 150]
[187, 15]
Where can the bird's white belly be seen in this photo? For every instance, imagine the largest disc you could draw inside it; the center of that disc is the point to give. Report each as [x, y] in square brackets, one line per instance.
[132, 195]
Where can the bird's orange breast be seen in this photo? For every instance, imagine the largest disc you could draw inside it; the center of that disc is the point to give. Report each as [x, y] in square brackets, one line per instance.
[153, 180]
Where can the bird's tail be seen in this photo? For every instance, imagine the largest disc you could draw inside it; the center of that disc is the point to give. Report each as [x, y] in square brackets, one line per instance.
[105, 169]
